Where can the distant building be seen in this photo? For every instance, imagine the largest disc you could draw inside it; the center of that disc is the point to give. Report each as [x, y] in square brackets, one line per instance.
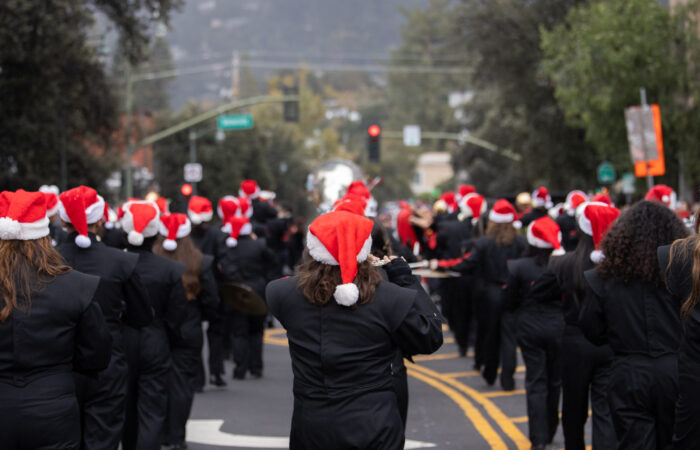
[432, 169]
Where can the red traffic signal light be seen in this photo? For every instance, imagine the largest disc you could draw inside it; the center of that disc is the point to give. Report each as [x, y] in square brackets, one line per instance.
[374, 130]
[186, 189]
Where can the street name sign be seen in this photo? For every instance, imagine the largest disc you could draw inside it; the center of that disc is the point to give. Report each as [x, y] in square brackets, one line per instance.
[236, 122]
[606, 173]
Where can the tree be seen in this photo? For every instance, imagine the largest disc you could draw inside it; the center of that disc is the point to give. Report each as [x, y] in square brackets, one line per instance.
[55, 97]
[605, 52]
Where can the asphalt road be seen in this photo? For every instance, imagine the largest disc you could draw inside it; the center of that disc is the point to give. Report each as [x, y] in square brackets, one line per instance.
[450, 406]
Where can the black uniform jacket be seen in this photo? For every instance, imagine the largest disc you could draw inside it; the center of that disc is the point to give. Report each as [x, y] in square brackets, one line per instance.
[63, 327]
[120, 294]
[206, 304]
[532, 215]
[634, 318]
[341, 359]
[247, 263]
[522, 274]
[451, 238]
[207, 237]
[162, 278]
[679, 281]
[487, 259]
[569, 231]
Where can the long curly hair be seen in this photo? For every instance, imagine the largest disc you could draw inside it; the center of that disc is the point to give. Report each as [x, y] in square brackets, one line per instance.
[630, 245]
[26, 266]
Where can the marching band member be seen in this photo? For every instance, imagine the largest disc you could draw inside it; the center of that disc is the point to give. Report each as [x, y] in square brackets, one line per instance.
[50, 324]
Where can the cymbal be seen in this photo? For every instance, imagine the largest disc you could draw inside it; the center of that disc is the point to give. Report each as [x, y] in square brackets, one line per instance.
[243, 299]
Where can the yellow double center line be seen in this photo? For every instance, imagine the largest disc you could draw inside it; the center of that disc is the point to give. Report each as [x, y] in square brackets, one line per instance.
[455, 391]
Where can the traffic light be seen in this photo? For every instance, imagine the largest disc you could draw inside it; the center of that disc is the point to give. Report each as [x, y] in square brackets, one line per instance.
[374, 136]
[291, 108]
[186, 189]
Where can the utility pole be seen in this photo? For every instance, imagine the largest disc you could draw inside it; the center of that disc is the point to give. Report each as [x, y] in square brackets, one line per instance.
[645, 106]
[235, 76]
[128, 148]
[193, 155]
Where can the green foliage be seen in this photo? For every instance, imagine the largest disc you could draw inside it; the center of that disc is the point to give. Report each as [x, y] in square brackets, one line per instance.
[55, 96]
[606, 51]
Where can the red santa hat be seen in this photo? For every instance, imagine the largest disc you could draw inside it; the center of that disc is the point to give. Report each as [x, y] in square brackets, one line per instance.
[249, 189]
[662, 194]
[163, 205]
[351, 204]
[450, 200]
[341, 239]
[199, 209]
[602, 197]
[51, 193]
[81, 206]
[140, 221]
[545, 233]
[503, 211]
[23, 216]
[463, 190]
[245, 208]
[359, 188]
[573, 200]
[473, 205]
[237, 226]
[227, 208]
[595, 219]
[541, 198]
[173, 226]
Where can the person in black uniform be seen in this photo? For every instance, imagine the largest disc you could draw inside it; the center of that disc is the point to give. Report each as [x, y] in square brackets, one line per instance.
[567, 221]
[348, 379]
[486, 259]
[585, 367]
[123, 300]
[50, 324]
[58, 235]
[278, 238]
[186, 349]
[204, 234]
[261, 211]
[147, 348]
[541, 202]
[539, 330]
[628, 307]
[245, 259]
[681, 266]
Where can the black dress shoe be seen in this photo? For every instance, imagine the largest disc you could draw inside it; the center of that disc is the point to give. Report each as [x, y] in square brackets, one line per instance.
[216, 380]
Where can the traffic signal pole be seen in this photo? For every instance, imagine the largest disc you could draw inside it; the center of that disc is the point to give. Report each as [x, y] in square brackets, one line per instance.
[460, 138]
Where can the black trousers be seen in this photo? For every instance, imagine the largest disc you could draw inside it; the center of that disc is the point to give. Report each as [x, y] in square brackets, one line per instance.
[642, 396]
[182, 381]
[585, 368]
[457, 309]
[102, 400]
[509, 346]
[41, 414]
[540, 329]
[148, 355]
[399, 379]
[247, 343]
[490, 320]
[215, 338]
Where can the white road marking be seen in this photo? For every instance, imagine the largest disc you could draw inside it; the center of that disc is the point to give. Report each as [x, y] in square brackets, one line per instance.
[208, 432]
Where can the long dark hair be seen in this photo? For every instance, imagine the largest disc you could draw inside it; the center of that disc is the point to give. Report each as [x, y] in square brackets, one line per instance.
[381, 245]
[318, 281]
[187, 253]
[630, 245]
[503, 233]
[689, 250]
[26, 266]
[541, 255]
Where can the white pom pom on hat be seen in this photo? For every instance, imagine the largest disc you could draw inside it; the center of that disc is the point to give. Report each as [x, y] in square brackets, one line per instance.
[341, 238]
[140, 221]
[81, 206]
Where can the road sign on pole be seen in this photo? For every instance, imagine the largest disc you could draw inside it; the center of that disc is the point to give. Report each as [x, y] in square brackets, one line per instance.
[411, 135]
[193, 172]
[645, 140]
[236, 122]
[606, 173]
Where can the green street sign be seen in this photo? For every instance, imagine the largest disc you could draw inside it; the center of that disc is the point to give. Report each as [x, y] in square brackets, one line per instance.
[236, 122]
[606, 173]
